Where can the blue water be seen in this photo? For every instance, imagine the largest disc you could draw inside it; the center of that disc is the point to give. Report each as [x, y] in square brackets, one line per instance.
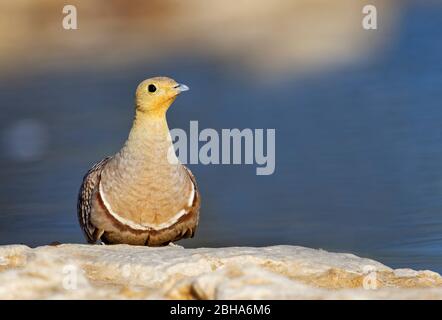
[358, 150]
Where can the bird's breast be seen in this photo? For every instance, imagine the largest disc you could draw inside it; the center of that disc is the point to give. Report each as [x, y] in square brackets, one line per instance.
[147, 197]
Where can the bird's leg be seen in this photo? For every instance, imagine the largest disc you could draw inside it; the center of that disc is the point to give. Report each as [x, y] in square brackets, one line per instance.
[172, 244]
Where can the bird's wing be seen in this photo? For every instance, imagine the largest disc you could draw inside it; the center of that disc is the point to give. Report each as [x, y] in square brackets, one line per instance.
[84, 204]
[195, 207]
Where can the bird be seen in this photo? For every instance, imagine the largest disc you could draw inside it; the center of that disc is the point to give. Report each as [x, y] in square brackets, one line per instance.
[142, 195]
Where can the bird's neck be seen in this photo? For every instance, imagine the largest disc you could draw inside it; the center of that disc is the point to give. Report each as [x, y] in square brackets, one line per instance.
[149, 144]
[148, 152]
[149, 140]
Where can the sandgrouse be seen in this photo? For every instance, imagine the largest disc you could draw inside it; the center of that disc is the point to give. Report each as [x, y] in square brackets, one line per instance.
[142, 195]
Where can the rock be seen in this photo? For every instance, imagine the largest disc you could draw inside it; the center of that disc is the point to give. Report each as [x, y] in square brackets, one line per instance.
[73, 271]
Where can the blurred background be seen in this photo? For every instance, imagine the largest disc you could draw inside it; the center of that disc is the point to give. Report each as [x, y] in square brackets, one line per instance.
[357, 114]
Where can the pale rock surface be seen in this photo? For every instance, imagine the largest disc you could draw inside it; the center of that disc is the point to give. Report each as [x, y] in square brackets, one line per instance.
[74, 271]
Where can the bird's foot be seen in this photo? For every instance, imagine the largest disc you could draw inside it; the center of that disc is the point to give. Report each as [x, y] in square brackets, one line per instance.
[171, 244]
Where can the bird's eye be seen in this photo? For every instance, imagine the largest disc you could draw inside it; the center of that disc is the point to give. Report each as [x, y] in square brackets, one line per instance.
[151, 88]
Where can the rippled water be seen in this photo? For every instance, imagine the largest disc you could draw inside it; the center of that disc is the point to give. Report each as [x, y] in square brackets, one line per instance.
[358, 151]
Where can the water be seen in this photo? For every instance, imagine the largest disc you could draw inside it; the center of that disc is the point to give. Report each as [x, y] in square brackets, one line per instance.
[358, 151]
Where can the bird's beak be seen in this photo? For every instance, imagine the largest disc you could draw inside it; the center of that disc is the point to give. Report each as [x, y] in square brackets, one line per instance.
[181, 87]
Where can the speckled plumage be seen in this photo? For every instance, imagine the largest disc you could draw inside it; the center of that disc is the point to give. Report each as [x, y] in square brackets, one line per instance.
[142, 195]
[84, 203]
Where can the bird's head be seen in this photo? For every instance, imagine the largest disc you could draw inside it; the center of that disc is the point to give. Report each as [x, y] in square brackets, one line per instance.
[155, 95]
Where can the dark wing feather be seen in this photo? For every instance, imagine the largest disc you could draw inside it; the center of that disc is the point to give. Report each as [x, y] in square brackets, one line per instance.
[84, 204]
[195, 208]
